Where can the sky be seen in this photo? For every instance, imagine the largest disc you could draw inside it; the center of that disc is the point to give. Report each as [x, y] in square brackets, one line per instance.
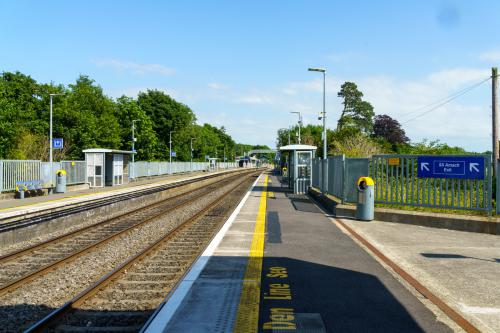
[243, 64]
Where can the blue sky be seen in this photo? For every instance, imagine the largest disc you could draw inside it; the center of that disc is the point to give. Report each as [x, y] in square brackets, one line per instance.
[243, 65]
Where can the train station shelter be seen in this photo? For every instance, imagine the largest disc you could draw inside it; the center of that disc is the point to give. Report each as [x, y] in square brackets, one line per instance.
[107, 167]
[299, 166]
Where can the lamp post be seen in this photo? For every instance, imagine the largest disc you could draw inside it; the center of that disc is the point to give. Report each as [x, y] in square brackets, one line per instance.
[191, 166]
[323, 115]
[50, 139]
[133, 146]
[300, 121]
[170, 151]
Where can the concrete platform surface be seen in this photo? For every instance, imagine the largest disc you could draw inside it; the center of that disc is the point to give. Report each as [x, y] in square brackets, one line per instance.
[333, 284]
[14, 207]
[463, 268]
[312, 277]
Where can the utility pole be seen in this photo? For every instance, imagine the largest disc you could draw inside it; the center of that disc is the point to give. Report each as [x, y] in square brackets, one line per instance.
[494, 113]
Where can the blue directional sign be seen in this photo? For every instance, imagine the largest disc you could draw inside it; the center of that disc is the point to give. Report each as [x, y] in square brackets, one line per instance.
[459, 167]
[173, 154]
[57, 143]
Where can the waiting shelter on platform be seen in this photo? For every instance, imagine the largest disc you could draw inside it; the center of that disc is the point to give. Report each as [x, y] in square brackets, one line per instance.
[107, 167]
[299, 166]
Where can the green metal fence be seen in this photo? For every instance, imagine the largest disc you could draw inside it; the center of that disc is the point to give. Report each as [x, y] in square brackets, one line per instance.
[397, 183]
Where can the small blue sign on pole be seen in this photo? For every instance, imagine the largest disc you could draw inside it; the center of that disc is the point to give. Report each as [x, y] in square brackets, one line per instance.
[173, 154]
[57, 143]
[458, 167]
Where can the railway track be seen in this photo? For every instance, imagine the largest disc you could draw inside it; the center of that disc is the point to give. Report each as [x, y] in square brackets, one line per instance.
[122, 300]
[22, 266]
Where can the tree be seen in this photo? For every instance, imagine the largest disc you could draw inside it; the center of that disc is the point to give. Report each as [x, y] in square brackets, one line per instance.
[389, 129]
[357, 113]
[168, 115]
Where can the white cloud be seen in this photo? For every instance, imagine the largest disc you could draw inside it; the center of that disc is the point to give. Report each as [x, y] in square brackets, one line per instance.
[490, 56]
[134, 91]
[134, 67]
[453, 78]
[218, 86]
[255, 98]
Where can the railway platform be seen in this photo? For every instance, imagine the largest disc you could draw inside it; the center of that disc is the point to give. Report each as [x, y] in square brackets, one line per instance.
[281, 264]
[11, 208]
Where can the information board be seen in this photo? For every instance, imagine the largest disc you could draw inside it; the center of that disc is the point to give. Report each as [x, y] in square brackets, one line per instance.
[459, 167]
[57, 143]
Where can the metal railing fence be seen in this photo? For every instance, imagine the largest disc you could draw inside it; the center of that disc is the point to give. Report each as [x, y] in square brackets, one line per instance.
[399, 184]
[12, 171]
[149, 169]
[75, 171]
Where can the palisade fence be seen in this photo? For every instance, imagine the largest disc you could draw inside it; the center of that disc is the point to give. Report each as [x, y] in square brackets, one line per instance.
[148, 169]
[12, 171]
[341, 173]
[397, 183]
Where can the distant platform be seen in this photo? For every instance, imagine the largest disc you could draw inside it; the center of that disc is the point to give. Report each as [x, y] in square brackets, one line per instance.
[20, 207]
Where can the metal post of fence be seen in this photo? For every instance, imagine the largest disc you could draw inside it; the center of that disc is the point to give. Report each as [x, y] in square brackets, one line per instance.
[1, 176]
[497, 190]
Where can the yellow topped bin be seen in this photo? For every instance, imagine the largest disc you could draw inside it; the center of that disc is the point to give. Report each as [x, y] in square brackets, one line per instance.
[365, 205]
[61, 181]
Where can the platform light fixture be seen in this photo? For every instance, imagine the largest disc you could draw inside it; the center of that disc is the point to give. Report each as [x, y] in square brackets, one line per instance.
[192, 153]
[134, 139]
[170, 151]
[50, 139]
[300, 121]
[323, 116]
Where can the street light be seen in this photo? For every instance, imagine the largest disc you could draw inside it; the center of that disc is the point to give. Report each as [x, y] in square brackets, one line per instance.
[192, 154]
[170, 151]
[322, 70]
[300, 121]
[133, 146]
[50, 138]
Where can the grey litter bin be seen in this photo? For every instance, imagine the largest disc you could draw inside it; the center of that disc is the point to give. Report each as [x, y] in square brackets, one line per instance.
[61, 181]
[365, 205]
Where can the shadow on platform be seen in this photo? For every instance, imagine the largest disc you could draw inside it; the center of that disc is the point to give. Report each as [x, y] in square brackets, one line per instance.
[454, 256]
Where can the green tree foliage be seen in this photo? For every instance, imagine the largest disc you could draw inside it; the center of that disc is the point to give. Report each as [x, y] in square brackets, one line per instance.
[357, 113]
[85, 117]
[127, 109]
[434, 147]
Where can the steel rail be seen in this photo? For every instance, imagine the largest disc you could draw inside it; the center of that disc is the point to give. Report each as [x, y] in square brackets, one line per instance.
[81, 298]
[72, 256]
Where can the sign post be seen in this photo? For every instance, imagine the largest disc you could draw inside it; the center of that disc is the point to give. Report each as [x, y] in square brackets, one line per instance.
[458, 167]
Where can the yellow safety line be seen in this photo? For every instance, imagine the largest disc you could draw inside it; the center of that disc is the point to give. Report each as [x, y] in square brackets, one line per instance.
[247, 319]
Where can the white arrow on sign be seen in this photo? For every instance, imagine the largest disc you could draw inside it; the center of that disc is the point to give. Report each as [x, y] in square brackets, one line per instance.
[473, 166]
[424, 166]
